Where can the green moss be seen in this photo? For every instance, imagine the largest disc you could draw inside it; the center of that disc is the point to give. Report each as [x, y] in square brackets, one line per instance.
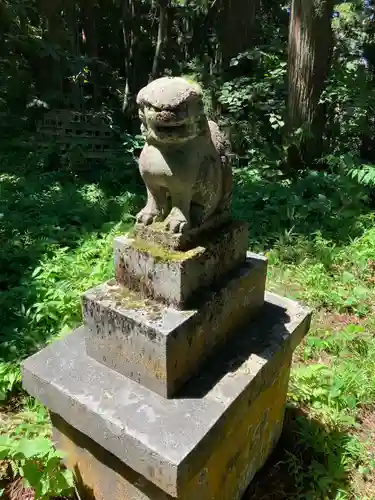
[163, 254]
[158, 227]
[129, 299]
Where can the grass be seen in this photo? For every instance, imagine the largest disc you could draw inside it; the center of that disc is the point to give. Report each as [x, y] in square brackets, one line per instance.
[318, 232]
[321, 245]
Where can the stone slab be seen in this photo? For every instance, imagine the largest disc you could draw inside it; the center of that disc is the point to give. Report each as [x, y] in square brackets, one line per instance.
[174, 443]
[163, 347]
[156, 234]
[174, 277]
[248, 438]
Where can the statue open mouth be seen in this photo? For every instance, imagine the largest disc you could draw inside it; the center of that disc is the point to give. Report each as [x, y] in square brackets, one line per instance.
[172, 128]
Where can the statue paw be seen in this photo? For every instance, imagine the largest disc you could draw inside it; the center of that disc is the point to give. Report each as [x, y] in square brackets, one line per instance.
[147, 217]
[176, 224]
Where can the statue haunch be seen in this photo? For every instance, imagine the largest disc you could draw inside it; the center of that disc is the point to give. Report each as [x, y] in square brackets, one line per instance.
[184, 163]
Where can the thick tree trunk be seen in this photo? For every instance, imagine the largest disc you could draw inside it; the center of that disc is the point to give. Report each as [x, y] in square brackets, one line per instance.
[49, 78]
[237, 30]
[161, 40]
[310, 51]
[136, 72]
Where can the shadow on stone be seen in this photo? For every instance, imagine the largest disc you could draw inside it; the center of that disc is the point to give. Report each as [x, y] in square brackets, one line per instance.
[244, 344]
[110, 478]
[85, 492]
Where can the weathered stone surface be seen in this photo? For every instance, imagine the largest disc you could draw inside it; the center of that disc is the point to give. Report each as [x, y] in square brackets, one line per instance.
[162, 347]
[174, 277]
[185, 161]
[168, 94]
[250, 435]
[207, 443]
[155, 234]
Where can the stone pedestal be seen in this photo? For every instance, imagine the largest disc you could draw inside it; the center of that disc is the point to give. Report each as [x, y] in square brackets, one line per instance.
[127, 442]
[152, 399]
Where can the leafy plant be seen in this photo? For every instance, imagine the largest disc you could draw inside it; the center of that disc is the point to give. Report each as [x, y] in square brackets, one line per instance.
[320, 461]
[364, 175]
[10, 379]
[36, 460]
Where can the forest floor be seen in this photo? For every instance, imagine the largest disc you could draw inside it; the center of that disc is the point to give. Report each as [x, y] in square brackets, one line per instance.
[319, 235]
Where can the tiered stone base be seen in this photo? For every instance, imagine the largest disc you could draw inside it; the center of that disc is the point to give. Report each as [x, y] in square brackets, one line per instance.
[192, 325]
[162, 347]
[127, 442]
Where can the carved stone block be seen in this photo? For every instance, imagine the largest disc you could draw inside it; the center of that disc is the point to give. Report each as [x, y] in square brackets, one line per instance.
[162, 347]
[175, 277]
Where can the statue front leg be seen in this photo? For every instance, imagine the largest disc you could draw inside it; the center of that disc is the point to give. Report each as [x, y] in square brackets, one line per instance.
[155, 207]
[178, 220]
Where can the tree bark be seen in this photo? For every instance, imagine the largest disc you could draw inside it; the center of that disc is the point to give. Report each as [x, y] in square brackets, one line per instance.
[237, 27]
[91, 47]
[49, 78]
[127, 39]
[309, 60]
[162, 32]
[136, 71]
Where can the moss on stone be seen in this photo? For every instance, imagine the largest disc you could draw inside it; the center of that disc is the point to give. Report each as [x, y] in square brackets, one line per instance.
[163, 254]
[158, 227]
[124, 297]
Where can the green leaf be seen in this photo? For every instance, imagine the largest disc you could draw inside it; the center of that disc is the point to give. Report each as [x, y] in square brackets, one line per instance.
[46, 485]
[33, 447]
[53, 463]
[31, 473]
[37, 271]
[5, 447]
[351, 401]
[64, 480]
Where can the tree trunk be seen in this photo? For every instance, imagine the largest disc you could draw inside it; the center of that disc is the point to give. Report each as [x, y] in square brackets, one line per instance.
[237, 27]
[310, 52]
[136, 71]
[91, 47]
[127, 39]
[162, 32]
[49, 78]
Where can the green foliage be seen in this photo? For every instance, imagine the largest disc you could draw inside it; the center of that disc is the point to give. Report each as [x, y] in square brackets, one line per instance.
[320, 461]
[333, 384]
[57, 230]
[10, 379]
[337, 390]
[252, 105]
[57, 282]
[29, 450]
[318, 238]
[364, 175]
[39, 464]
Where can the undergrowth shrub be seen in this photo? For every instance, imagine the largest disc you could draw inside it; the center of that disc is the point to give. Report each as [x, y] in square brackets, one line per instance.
[26, 446]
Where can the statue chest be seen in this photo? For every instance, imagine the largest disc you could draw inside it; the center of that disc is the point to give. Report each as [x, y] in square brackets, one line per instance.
[170, 164]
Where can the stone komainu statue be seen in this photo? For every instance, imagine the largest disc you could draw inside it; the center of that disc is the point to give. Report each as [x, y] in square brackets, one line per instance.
[185, 162]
